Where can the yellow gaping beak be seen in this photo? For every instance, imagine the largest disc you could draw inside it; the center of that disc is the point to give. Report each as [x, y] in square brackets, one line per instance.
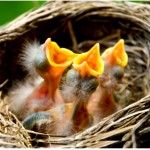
[116, 55]
[58, 58]
[89, 63]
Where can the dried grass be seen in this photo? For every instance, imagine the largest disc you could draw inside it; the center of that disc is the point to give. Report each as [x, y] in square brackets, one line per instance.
[12, 133]
[78, 26]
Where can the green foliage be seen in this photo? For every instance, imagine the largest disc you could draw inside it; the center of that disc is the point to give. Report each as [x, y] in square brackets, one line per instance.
[9, 10]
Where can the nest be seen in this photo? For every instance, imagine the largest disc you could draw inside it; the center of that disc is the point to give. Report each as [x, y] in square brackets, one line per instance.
[78, 26]
[12, 133]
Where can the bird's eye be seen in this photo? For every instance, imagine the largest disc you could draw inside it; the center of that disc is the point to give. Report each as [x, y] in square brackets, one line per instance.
[92, 84]
[41, 62]
[118, 72]
[72, 75]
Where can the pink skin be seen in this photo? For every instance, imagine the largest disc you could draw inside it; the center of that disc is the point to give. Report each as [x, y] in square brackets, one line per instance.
[41, 100]
[102, 103]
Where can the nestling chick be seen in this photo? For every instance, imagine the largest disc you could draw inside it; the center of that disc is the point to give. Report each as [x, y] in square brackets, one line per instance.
[78, 84]
[49, 61]
[102, 102]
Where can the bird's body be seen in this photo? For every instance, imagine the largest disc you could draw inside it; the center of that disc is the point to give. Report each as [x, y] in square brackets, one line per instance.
[41, 93]
[54, 121]
[62, 120]
[102, 103]
[31, 96]
[72, 115]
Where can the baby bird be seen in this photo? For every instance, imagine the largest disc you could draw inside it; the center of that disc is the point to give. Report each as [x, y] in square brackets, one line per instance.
[102, 101]
[88, 64]
[49, 61]
[77, 85]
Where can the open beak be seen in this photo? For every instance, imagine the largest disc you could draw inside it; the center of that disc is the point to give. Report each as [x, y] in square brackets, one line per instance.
[116, 55]
[89, 63]
[58, 58]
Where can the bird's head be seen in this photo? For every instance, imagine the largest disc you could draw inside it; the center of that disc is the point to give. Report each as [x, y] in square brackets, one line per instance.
[115, 59]
[51, 60]
[89, 63]
[81, 80]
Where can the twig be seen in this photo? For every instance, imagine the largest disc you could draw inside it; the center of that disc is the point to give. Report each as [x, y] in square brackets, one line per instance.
[73, 37]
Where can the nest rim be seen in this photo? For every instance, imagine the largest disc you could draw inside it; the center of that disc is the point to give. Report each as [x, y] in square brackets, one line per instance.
[70, 15]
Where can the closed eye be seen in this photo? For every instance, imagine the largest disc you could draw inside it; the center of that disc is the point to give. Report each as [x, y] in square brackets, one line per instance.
[118, 72]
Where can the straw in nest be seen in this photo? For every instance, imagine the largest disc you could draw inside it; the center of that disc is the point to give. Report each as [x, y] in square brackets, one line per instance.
[12, 133]
[77, 26]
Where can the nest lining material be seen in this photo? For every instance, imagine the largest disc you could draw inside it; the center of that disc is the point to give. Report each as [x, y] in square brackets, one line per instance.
[78, 26]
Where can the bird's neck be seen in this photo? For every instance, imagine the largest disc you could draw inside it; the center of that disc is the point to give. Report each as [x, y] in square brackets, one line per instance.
[80, 116]
[105, 96]
[101, 104]
[52, 84]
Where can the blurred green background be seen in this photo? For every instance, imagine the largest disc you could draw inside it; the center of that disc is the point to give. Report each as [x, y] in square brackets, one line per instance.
[9, 10]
